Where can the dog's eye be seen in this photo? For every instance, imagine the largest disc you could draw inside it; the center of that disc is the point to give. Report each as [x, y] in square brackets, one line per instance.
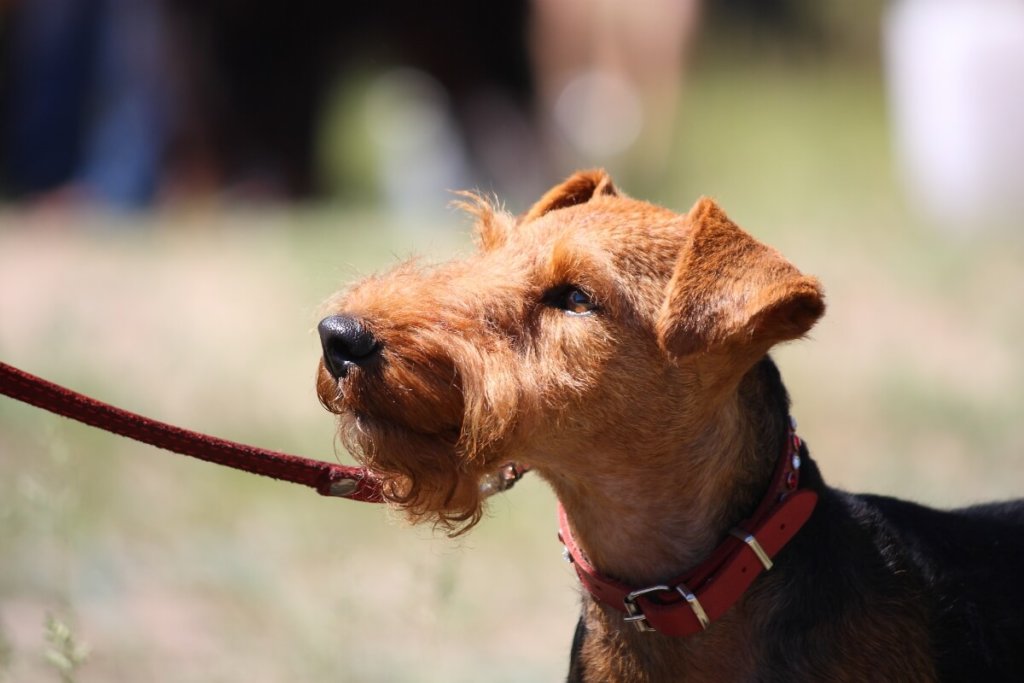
[572, 300]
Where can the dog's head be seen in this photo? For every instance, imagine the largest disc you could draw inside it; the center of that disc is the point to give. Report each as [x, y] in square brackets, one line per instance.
[593, 325]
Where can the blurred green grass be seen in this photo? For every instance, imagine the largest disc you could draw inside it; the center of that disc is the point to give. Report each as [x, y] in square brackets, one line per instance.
[175, 570]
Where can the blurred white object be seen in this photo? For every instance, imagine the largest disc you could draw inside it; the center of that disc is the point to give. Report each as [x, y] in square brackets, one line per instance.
[600, 114]
[609, 77]
[955, 71]
[419, 155]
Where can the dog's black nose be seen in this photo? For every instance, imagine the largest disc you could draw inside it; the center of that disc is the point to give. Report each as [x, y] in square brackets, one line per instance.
[346, 344]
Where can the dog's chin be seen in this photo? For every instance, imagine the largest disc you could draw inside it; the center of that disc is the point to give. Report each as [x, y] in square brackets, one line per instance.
[426, 475]
[428, 469]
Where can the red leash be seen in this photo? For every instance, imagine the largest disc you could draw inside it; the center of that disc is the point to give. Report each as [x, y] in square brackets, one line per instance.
[326, 478]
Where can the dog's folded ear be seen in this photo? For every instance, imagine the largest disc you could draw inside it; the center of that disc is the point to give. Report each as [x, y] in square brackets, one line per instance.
[579, 188]
[730, 291]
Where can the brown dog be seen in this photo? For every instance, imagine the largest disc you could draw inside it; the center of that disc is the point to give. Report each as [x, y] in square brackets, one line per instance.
[619, 350]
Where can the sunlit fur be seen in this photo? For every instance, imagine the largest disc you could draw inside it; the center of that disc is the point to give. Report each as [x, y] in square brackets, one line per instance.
[478, 369]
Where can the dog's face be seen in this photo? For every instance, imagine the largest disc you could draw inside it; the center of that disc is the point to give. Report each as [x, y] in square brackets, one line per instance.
[532, 349]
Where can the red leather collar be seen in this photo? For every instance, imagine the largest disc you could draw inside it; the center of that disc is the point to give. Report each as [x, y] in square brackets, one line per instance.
[690, 603]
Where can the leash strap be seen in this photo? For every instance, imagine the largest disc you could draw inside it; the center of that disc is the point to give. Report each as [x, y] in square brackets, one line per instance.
[326, 478]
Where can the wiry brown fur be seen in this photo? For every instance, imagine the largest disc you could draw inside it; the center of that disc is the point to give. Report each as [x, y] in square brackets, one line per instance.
[484, 363]
[656, 418]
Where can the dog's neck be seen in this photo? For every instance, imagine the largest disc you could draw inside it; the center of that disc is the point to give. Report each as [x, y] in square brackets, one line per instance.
[659, 510]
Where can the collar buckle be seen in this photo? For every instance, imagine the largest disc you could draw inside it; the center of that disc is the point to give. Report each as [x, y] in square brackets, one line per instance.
[634, 613]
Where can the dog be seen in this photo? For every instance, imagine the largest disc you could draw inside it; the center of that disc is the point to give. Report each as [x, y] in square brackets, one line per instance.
[620, 351]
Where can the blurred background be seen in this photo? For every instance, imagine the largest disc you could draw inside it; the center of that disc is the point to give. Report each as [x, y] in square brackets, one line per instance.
[183, 183]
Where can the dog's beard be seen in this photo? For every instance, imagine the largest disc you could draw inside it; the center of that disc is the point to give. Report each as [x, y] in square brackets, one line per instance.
[425, 475]
[414, 434]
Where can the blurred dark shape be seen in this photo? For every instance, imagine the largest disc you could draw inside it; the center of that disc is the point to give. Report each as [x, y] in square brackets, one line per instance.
[121, 97]
[49, 69]
[127, 102]
[85, 99]
[267, 68]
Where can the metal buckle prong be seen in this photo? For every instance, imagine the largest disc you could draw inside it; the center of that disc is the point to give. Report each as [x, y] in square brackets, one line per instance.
[698, 609]
[754, 545]
[636, 615]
